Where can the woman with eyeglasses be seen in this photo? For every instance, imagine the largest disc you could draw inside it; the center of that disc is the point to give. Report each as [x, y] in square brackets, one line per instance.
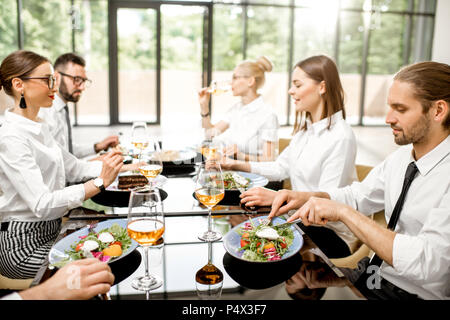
[34, 169]
[250, 127]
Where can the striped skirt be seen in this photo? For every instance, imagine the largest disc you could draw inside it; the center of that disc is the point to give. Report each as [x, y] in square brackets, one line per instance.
[24, 247]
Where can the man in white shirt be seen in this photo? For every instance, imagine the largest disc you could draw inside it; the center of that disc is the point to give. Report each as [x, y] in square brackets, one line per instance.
[416, 253]
[71, 72]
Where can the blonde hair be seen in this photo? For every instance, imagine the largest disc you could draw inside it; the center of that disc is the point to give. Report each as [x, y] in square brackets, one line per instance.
[257, 69]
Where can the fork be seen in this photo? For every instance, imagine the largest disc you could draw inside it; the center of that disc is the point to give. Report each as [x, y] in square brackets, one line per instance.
[91, 227]
[238, 186]
[265, 221]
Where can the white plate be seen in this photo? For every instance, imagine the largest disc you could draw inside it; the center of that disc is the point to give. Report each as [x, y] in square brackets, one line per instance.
[185, 157]
[255, 179]
[232, 240]
[57, 252]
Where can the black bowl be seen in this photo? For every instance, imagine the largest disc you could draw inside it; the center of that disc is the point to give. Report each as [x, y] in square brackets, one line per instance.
[118, 198]
[261, 275]
[172, 169]
[125, 267]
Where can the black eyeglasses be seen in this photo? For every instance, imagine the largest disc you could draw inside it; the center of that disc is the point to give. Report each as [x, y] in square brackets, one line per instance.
[238, 77]
[51, 80]
[78, 81]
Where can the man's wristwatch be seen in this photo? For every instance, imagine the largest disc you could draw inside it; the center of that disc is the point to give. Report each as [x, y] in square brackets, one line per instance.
[98, 182]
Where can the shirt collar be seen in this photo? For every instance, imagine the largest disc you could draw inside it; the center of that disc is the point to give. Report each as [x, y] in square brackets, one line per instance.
[58, 103]
[432, 158]
[26, 124]
[322, 125]
[252, 106]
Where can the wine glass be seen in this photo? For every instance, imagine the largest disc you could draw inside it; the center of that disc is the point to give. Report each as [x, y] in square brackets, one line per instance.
[211, 149]
[146, 226]
[139, 136]
[209, 190]
[150, 163]
[209, 279]
[219, 87]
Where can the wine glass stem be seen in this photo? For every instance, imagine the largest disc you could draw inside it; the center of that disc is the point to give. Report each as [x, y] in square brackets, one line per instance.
[147, 274]
[209, 252]
[209, 220]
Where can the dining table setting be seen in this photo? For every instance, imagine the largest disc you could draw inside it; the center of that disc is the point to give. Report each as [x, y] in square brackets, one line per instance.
[176, 228]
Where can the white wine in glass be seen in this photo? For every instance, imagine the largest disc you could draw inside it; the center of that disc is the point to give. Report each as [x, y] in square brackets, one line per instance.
[209, 279]
[151, 164]
[219, 87]
[146, 226]
[210, 191]
[139, 136]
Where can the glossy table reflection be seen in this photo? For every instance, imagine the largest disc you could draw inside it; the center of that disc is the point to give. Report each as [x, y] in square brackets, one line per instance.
[182, 254]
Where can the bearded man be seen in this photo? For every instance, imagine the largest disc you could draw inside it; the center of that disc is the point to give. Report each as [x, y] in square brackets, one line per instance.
[70, 70]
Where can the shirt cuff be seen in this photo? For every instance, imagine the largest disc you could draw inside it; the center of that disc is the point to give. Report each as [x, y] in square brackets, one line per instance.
[336, 194]
[76, 196]
[12, 296]
[83, 150]
[95, 168]
[266, 169]
[402, 251]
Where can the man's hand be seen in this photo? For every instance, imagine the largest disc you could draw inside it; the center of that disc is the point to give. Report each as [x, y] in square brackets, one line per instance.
[287, 200]
[258, 196]
[318, 211]
[110, 141]
[81, 279]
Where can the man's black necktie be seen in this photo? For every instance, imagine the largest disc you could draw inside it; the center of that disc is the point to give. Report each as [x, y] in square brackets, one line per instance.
[69, 128]
[409, 177]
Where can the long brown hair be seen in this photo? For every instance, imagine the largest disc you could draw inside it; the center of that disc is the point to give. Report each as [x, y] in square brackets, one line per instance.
[431, 82]
[18, 64]
[322, 68]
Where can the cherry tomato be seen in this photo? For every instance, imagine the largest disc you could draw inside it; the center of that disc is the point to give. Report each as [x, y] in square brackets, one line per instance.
[116, 242]
[283, 243]
[244, 243]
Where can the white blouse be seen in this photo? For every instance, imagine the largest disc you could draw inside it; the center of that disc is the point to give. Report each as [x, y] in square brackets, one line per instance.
[250, 126]
[317, 158]
[34, 171]
[421, 250]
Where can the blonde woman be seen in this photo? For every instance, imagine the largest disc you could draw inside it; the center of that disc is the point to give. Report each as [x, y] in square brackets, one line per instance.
[250, 127]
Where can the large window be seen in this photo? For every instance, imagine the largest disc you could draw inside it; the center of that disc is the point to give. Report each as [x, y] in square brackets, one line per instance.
[181, 58]
[90, 28]
[188, 43]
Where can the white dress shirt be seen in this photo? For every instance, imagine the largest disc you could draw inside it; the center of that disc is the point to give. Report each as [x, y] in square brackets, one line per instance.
[55, 117]
[316, 159]
[34, 170]
[250, 126]
[421, 250]
[12, 296]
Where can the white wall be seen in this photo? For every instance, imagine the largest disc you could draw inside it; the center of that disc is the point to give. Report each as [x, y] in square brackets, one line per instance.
[441, 40]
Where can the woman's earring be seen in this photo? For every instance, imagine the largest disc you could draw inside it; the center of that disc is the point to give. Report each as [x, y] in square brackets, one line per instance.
[22, 103]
